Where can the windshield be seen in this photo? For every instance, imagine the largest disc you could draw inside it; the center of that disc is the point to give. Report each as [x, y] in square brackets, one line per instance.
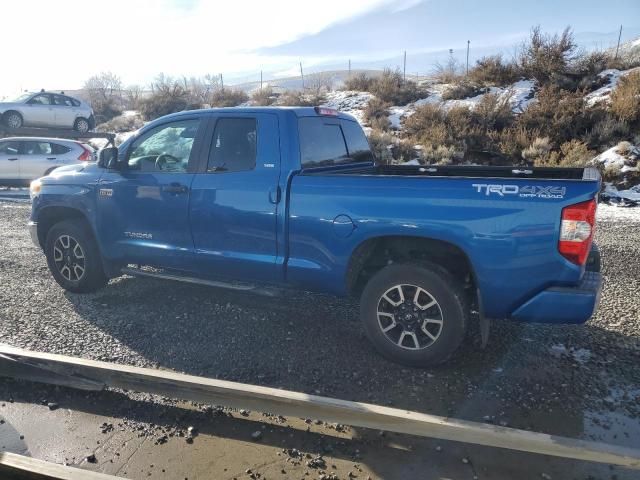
[20, 98]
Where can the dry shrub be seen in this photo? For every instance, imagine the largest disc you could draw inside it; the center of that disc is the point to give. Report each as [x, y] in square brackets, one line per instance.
[611, 172]
[442, 155]
[544, 56]
[559, 114]
[294, 98]
[572, 154]
[121, 124]
[493, 112]
[461, 89]
[359, 81]
[263, 97]
[513, 140]
[388, 149]
[624, 148]
[492, 70]
[167, 96]
[390, 87]
[376, 114]
[449, 72]
[538, 150]
[625, 99]
[607, 131]
[228, 97]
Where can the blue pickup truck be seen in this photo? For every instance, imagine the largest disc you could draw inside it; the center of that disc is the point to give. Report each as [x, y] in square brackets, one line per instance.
[270, 199]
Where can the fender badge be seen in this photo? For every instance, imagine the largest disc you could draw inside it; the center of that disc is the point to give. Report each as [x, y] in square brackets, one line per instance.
[106, 192]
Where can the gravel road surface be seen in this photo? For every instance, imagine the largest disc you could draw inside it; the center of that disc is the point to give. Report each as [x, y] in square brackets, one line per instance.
[579, 381]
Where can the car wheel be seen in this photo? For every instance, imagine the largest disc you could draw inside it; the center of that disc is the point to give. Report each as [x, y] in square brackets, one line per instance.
[74, 258]
[49, 171]
[13, 120]
[414, 314]
[81, 125]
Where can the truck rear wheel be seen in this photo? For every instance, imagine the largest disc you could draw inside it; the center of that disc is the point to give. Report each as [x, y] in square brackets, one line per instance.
[74, 258]
[414, 314]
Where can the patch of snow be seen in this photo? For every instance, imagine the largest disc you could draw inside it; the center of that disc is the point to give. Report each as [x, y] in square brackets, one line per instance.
[603, 94]
[412, 162]
[612, 157]
[615, 213]
[347, 101]
[130, 113]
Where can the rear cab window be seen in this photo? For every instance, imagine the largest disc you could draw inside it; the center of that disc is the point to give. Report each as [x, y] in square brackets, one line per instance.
[234, 145]
[328, 141]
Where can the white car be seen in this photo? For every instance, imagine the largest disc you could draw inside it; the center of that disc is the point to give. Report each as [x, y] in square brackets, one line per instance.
[47, 109]
[23, 159]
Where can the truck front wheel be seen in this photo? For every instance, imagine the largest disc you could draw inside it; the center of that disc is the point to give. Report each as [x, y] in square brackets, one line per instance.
[414, 314]
[74, 258]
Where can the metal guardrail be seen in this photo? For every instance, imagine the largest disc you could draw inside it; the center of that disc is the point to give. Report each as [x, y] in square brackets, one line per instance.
[95, 375]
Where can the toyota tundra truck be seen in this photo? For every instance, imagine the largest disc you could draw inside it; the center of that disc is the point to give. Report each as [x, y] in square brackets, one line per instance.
[267, 200]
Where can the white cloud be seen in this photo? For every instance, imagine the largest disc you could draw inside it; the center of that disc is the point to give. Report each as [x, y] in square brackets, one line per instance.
[64, 42]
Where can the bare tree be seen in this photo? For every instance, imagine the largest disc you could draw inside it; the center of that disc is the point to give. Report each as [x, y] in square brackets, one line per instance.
[104, 92]
[319, 83]
[133, 94]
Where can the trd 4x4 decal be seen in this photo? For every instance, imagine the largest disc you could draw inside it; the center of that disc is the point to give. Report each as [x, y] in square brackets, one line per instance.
[525, 191]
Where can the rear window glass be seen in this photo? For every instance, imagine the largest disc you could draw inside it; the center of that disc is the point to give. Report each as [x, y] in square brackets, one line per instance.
[321, 142]
[357, 143]
[326, 142]
[59, 149]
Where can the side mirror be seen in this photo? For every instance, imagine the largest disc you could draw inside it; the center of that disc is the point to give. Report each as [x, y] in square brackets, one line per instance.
[108, 158]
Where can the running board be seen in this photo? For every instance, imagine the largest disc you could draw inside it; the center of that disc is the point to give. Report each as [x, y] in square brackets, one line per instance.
[242, 287]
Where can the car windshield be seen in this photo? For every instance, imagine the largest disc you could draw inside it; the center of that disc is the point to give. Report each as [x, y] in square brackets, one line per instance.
[21, 98]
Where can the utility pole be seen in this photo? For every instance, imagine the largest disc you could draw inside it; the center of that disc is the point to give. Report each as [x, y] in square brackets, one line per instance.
[618, 47]
[221, 82]
[302, 75]
[468, 43]
[260, 79]
[404, 67]
[349, 69]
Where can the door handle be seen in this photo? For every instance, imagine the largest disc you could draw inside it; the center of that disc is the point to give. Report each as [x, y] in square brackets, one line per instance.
[275, 194]
[12, 159]
[51, 158]
[175, 188]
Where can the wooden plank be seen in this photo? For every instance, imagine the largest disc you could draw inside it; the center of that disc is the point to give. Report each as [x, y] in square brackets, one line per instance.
[19, 467]
[81, 373]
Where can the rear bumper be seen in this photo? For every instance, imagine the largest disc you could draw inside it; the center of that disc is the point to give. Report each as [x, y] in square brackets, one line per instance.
[565, 304]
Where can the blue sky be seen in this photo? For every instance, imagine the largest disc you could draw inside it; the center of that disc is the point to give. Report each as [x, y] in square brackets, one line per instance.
[137, 39]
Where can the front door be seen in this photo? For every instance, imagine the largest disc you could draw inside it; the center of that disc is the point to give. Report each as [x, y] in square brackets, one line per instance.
[144, 209]
[40, 111]
[235, 199]
[9, 160]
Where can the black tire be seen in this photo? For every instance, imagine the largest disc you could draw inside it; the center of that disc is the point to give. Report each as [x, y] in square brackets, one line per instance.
[49, 171]
[82, 125]
[13, 120]
[93, 277]
[435, 284]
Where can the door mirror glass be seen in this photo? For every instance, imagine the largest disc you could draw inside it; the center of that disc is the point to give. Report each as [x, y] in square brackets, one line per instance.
[108, 158]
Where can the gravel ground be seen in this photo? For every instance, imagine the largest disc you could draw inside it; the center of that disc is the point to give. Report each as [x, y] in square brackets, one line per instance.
[566, 380]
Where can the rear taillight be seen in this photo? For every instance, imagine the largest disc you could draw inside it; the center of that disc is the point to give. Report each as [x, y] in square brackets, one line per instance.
[576, 231]
[86, 154]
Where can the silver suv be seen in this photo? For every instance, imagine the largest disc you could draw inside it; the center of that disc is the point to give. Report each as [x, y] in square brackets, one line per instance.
[47, 109]
[23, 159]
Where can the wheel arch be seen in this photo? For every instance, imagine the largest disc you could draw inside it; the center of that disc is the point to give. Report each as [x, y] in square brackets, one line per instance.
[53, 214]
[375, 253]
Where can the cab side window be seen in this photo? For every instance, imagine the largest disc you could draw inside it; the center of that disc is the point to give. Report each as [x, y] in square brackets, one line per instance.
[166, 148]
[234, 145]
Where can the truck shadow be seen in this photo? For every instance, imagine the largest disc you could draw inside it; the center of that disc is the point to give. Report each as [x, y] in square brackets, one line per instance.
[314, 344]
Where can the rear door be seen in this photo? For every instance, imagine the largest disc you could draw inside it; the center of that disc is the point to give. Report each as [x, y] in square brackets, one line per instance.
[64, 111]
[235, 199]
[9, 169]
[143, 211]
